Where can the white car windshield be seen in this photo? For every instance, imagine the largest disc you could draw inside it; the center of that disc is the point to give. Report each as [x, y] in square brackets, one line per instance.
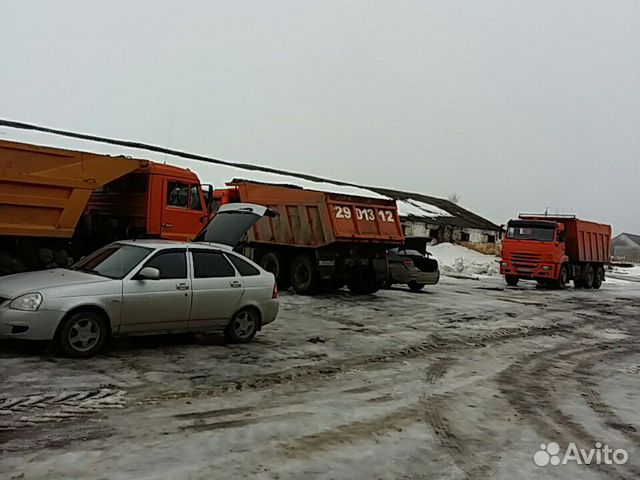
[113, 261]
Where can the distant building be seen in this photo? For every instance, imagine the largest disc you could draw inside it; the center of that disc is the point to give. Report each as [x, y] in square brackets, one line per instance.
[626, 247]
[443, 221]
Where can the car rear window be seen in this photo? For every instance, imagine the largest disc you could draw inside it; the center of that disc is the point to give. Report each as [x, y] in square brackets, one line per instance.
[244, 267]
[211, 264]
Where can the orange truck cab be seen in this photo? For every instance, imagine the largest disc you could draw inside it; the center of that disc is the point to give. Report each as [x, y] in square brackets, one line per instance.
[156, 200]
[57, 205]
[555, 249]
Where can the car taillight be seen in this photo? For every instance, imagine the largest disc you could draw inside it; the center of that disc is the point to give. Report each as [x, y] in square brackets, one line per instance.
[275, 291]
[408, 263]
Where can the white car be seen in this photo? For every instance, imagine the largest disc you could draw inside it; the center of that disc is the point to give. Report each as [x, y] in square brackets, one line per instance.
[145, 287]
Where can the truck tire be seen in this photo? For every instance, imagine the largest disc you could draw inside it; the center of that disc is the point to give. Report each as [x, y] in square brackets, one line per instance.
[304, 275]
[511, 280]
[578, 283]
[598, 277]
[274, 262]
[563, 278]
[589, 275]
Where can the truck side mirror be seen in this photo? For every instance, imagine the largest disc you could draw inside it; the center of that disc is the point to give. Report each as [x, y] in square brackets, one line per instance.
[561, 236]
[209, 197]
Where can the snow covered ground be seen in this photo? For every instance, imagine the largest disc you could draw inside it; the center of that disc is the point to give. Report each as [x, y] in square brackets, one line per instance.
[464, 380]
[456, 260]
[625, 273]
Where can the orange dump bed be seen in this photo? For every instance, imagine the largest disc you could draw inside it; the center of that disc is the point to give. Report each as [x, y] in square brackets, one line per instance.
[585, 241]
[309, 218]
[43, 190]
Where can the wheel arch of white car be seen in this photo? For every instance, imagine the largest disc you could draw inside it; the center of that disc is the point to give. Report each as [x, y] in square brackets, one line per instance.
[86, 307]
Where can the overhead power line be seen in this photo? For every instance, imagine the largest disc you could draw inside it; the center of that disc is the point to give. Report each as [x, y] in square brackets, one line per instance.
[169, 151]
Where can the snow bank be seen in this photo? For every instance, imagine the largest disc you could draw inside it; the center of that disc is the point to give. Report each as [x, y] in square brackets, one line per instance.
[625, 273]
[457, 260]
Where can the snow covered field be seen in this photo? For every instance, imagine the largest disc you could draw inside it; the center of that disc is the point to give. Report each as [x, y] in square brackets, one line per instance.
[462, 381]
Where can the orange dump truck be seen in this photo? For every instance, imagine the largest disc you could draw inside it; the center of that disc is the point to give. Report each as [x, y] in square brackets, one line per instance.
[57, 205]
[319, 240]
[554, 249]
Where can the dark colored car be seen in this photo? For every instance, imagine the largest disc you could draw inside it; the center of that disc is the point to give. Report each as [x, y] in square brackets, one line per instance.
[412, 268]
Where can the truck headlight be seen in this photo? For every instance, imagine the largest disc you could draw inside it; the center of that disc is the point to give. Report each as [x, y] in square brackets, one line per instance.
[29, 302]
[547, 267]
[504, 264]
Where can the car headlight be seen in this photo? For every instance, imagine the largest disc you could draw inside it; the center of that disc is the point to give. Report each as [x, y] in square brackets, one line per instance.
[29, 302]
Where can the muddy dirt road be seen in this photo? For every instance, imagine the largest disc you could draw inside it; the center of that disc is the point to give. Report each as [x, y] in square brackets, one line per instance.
[463, 381]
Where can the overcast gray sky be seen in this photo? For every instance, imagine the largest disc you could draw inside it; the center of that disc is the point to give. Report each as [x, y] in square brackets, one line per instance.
[513, 105]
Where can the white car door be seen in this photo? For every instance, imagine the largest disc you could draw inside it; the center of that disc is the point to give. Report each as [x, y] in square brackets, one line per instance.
[217, 289]
[158, 305]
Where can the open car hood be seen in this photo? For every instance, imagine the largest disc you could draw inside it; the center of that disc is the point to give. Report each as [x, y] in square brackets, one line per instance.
[231, 223]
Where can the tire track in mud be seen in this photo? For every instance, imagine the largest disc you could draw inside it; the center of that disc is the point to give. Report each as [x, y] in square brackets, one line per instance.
[590, 393]
[431, 410]
[317, 443]
[474, 466]
[32, 410]
[353, 432]
[526, 385]
[329, 370]
[436, 371]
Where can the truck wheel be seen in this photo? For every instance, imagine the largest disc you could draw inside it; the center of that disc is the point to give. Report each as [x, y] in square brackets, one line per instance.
[82, 334]
[563, 277]
[274, 263]
[304, 275]
[589, 276]
[598, 277]
[415, 286]
[578, 283]
[511, 280]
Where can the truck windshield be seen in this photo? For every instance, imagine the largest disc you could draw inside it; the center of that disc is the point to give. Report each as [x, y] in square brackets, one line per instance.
[520, 232]
[113, 261]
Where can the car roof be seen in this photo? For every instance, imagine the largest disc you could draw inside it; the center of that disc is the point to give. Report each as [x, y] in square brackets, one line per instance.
[162, 244]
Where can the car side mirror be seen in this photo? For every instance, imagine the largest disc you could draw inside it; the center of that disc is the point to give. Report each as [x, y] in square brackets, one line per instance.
[148, 273]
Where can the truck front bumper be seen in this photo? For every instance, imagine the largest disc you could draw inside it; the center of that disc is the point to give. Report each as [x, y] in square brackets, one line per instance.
[535, 272]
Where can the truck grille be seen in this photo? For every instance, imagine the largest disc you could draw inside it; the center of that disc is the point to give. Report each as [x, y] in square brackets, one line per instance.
[525, 261]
